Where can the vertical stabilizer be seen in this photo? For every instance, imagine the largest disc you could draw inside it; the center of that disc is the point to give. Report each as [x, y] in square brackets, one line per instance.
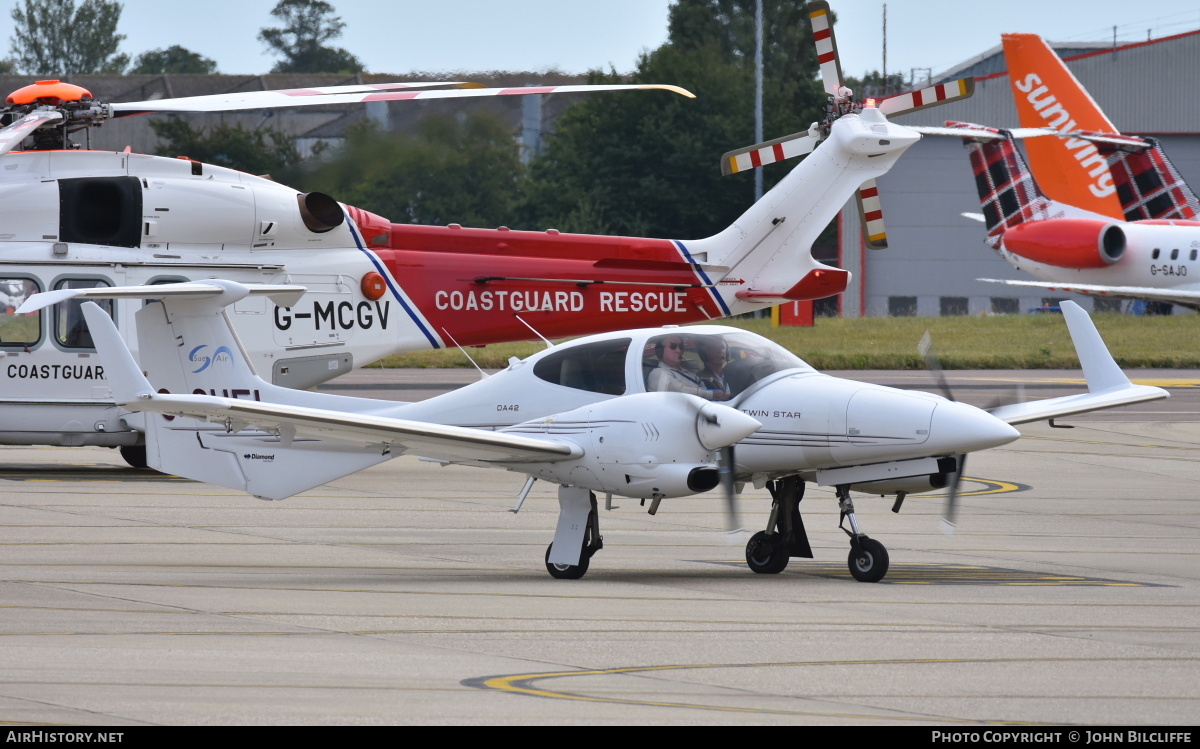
[1069, 170]
[1007, 191]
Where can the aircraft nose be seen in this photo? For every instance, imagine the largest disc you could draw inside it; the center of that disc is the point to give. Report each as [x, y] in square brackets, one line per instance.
[962, 428]
[719, 426]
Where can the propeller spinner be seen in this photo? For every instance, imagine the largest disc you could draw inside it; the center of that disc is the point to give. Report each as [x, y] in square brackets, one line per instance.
[841, 103]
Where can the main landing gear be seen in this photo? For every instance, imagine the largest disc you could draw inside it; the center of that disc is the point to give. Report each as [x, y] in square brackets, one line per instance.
[769, 551]
[578, 528]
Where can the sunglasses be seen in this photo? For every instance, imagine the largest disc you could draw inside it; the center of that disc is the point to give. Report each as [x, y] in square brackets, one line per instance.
[673, 346]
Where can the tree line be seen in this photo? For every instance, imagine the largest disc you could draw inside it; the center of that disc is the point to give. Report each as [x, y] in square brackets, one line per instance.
[61, 38]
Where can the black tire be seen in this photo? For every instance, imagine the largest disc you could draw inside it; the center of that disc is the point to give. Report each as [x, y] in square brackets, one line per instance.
[567, 571]
[764, 557]
[868, 560]
[134, 455]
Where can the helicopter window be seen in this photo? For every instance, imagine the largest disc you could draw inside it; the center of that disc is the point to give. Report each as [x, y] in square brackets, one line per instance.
[101, 210]
[594, 367]
[18, 330]
[70, 327]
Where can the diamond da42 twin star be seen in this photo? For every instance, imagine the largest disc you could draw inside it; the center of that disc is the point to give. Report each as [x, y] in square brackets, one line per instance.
[648, 413]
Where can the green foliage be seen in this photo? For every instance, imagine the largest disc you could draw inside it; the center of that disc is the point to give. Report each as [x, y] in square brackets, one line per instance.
[233, 147]
[307, 25]
[649, 163]
[53, 37]
[463, 169]
[175, 60]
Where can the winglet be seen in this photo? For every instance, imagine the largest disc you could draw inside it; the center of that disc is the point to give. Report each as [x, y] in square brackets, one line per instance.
[122, 372]
[1099, 368]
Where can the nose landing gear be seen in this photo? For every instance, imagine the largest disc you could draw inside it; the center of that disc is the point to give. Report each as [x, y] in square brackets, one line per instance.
[868, 559]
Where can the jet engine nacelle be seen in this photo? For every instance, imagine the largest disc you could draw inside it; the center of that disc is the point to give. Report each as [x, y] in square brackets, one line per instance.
[645, 446]
[1068, 242]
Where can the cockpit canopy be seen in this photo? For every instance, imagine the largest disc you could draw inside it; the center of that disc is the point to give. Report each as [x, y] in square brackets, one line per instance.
[714, 358]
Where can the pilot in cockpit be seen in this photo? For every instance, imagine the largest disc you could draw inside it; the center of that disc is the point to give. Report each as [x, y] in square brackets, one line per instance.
[671, 374]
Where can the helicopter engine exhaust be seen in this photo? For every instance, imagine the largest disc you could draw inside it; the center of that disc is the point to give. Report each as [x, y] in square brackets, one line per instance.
[320, 212]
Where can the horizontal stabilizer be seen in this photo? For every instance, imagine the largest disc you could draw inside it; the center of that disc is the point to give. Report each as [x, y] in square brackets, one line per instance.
[983, 133]
[1108, 387]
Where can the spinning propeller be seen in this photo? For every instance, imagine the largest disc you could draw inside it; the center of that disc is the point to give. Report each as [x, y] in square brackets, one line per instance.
[841, 103]
[715, 435]
[50, 111]
[934, 365]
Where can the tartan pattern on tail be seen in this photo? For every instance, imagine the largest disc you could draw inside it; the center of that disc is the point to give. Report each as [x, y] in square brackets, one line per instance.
[1007, 191]
[1148, 184]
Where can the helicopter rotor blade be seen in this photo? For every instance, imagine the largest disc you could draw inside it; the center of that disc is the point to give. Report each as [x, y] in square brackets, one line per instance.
[11, 136]
[761, 154]
[826, 43]
[288, 99]
[870, 211]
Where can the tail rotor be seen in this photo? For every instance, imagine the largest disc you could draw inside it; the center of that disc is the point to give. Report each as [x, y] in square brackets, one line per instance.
[841, 103]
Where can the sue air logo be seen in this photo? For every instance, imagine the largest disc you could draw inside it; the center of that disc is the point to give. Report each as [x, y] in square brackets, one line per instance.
[221, 356]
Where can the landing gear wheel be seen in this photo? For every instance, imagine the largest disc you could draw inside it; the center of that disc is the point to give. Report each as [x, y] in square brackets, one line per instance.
[765, 557]
[868, 560]
[134, 455]
[567, 571]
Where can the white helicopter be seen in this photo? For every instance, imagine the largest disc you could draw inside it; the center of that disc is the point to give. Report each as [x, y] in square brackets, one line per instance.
[76, 219]
[620, 413]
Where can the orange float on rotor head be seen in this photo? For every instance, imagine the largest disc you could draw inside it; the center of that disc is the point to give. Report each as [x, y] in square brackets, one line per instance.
[56, 90]
[373, 286]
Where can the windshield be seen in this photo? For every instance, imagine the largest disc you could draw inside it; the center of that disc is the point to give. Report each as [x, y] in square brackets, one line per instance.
[716, 366]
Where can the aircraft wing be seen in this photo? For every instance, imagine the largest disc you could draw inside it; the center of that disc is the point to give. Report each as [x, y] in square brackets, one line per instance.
[399, 436]
[133, 391]
[1108, 387]
[1148, 293]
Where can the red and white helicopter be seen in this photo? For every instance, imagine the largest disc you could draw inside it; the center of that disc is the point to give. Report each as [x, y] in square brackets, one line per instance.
[619, 413]
[76, 220]
[1112, 216]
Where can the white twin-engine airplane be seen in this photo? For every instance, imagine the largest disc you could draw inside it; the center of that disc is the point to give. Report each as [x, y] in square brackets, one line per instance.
[649, 413]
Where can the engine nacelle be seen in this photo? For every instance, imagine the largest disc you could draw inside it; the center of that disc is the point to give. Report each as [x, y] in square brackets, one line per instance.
[1068, 242]
[644, 446]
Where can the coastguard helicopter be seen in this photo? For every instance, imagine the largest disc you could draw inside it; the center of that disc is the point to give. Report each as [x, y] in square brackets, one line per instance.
[619, 413]
[73, 220]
